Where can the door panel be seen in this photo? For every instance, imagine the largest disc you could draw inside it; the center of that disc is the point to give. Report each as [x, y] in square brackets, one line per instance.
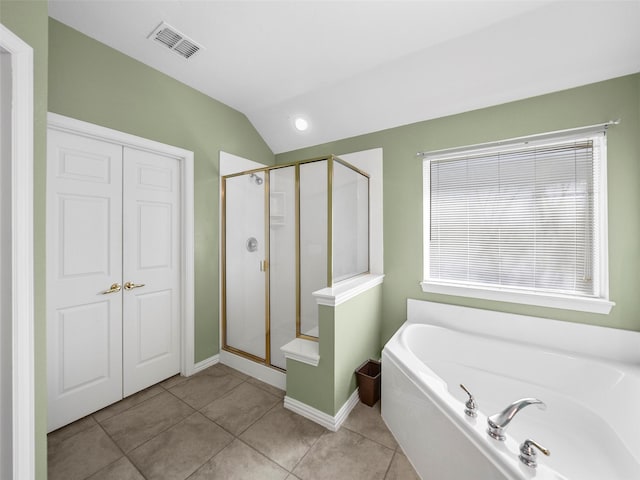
[86, 322]
[151, 223]
[154, 321]
[84, 224]
[245, 275]
[84, 244]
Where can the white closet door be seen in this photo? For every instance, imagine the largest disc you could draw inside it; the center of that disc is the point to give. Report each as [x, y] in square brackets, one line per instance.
[84, 245]
[152, 221]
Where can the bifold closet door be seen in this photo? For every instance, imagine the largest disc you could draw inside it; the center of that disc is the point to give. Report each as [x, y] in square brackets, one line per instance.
[113, 273]
[151, 268]
[84, 276]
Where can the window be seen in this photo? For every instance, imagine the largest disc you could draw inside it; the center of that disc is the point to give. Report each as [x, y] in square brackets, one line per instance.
[521, 221]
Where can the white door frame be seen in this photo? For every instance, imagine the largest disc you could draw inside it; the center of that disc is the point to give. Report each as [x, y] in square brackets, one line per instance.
[185, 157]
[23, 406]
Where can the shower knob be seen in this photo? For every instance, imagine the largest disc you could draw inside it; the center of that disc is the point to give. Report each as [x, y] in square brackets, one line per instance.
[252, 244]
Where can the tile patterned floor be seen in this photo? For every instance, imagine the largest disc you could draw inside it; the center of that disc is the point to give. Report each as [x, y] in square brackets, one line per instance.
[221, 424]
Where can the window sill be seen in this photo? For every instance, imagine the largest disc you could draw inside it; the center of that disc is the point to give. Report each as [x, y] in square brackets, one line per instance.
[565, 302]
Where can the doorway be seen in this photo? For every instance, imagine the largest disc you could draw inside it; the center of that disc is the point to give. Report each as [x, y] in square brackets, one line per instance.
[119, 266]
[17, 437]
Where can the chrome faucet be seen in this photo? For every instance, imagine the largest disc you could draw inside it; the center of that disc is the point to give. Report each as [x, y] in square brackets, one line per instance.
[498, 422]
[528, 453]
[471, 407]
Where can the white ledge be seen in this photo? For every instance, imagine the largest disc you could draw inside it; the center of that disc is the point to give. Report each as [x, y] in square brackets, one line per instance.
[566, 302]
[302, 350]
[346, 290]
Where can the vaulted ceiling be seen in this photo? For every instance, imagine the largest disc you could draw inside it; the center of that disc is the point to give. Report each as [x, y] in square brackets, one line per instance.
[353, 67]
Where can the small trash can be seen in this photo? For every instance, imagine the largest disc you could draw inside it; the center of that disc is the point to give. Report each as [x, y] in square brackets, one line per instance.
[368, 378]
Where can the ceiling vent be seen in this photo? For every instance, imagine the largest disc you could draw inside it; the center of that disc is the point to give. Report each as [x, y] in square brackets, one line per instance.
[175, 40]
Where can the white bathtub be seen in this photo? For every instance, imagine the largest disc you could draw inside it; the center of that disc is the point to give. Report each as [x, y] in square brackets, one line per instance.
[589, 378]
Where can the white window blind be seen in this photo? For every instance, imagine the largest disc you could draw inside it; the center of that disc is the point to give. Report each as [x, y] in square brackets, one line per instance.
[522, 217]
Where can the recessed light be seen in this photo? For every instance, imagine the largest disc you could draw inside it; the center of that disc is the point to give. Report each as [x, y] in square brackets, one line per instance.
[301, 124]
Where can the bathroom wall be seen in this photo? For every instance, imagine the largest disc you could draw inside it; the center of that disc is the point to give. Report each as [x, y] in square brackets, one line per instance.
[92, 82]
[29, 21]
[586, 105]
[349, 335]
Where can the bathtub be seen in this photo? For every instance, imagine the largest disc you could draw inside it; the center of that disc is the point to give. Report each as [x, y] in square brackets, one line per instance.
[589, 378]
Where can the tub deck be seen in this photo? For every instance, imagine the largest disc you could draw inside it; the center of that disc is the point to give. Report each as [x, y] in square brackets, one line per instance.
[591, 421]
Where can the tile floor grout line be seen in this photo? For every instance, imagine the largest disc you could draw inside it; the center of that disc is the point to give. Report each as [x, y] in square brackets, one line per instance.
[386, 473]
[246, 428]
[126, 409]
[289, 472]
[211, 457]
[224, 395]
[159, 433]
[237, 437]
[373, 439]
[326, 432]
[78, 432]
[363, 423]
[124, 454]
[264, 455]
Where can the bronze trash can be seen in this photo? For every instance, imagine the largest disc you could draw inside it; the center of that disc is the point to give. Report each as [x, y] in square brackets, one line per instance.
[368, 378]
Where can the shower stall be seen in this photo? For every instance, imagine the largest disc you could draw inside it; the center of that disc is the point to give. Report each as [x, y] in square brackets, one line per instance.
[288, 231]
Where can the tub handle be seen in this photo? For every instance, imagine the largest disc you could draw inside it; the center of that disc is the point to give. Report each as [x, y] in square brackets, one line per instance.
[528, 453]
[470, 407]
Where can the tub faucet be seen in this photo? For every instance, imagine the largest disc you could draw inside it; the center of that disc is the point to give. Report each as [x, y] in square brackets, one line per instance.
[528, 453]
[471, 407]
[498, 422]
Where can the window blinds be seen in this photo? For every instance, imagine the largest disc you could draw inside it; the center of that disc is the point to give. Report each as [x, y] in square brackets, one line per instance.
[520, 218]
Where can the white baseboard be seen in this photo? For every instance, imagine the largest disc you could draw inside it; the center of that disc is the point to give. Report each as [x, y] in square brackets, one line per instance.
[263, 373]
[321, 418]
[206, 363]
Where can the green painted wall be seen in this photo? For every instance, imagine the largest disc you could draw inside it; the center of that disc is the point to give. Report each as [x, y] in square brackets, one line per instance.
[587, 105]
[95, 83]
[358, 324]
[28, 19]
[314, 385]
[349, 334]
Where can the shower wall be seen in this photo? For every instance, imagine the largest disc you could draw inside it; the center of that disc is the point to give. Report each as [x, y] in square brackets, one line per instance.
[288, 231]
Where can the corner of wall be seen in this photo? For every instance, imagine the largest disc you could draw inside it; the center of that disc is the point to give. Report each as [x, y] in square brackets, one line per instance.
[29, 21]
[349, 335]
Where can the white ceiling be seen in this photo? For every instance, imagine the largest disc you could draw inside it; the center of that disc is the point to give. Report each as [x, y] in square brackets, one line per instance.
[353, 67]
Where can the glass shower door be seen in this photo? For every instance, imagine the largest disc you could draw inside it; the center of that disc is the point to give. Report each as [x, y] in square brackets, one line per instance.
[245, 265]
[282, 259]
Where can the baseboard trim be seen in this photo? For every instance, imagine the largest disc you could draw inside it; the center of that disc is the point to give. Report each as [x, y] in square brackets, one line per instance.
[206, 363]
[329, 422]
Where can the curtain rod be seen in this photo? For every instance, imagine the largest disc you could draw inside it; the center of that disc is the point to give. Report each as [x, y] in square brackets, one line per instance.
[527, 138]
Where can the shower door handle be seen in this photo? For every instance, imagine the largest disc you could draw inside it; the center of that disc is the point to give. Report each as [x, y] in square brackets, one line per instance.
[264, 265]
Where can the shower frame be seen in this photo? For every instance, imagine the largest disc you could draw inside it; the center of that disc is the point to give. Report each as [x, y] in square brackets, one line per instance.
[267, 266]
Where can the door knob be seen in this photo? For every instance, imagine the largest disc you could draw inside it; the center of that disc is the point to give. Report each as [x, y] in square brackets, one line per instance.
[131, 285]
[113, 289]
